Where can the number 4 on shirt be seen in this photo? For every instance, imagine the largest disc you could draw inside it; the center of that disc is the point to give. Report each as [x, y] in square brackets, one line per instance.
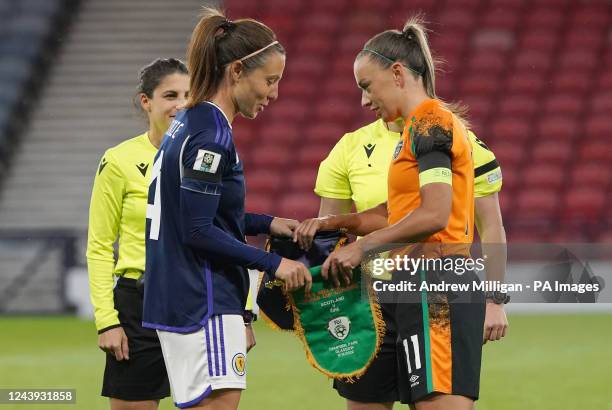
[154, 209]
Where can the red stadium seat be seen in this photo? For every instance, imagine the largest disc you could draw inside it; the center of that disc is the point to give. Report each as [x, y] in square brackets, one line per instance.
[445, 46]
[604, 81]
[519, 105]
[299, 205]
[563, 104]
[537, 204]
[318, 44]
[583, 38]
[528, 233]
[241, 9]
[557, 127]
[502, 18]
[583, 203]
[489, 62]
[325, 132]
[351, 43]
[578, 60]
[283, 6]
[295, 89]
[546, 17]
[263, 181]
[496, 39]
[445, 87]
[287, 110]
[568, 81]
[259, 203]
[320, 21]
[470, 5]
[602, 103]
[508, 153]
[312, 155]
[335, 109]
[552, 151]
[527, 82]
[506, 202]
[364, 21]
[333, 8]
[539, 40]
[605, 237]
[478, 83]
[532, 61]
[303, 179]
[305, 66]
[551, 3]
[343, 86]
[591, 174]
[542, 176]
[596, 150]
[568, 235]
[456, 19]
[271, 156]
[600, 127]
[514, 5]
[478, 107]
[510, 129]
[282, 133]
[592, 16]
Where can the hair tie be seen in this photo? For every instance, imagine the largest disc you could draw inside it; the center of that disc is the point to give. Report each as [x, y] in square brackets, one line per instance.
[227, 26]
[408, 35]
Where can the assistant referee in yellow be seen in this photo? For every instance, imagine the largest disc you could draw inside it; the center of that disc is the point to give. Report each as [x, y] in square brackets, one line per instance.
[135, 375]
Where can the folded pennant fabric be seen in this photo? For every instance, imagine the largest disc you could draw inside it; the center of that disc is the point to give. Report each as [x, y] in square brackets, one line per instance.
[273, 304]
[340, 329]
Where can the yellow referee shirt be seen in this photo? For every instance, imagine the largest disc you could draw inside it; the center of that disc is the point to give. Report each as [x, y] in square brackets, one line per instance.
[117, 212]
[357, 167]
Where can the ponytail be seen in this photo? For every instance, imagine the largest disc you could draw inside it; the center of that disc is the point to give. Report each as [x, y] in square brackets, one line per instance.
[217, 42]
[410, 47]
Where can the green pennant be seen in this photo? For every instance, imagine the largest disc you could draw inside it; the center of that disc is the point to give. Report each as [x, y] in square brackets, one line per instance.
[340, 330]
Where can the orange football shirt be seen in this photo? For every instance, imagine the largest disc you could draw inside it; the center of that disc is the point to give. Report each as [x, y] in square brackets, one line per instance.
[430, 125]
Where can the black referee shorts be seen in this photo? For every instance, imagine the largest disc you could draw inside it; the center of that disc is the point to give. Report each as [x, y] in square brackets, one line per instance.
[144, 376]
[379, 384]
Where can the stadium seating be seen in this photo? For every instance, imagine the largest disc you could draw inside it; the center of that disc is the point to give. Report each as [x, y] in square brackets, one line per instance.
[536, 76]
[28, 35]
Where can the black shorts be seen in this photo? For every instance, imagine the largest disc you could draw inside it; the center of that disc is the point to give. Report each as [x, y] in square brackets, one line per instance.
[440, 339]
[379, 384]
[144, 376]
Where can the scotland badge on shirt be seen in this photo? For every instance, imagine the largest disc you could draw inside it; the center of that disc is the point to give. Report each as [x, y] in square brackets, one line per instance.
[207, 161]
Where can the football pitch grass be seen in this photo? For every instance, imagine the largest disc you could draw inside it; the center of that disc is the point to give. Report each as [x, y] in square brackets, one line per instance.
[554, 362]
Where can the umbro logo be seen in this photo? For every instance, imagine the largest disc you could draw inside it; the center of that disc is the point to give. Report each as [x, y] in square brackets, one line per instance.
[102, 165]
[142, 167]
[414, 378]
[369, 149]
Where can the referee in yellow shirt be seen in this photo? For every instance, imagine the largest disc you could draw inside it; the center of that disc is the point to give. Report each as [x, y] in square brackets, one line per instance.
[135, 375]
[355, 174]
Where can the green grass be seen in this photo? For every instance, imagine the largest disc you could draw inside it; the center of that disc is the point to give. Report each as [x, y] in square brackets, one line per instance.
[545, 362]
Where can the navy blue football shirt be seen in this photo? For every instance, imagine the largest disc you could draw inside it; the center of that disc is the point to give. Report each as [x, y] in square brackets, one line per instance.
[196, 254]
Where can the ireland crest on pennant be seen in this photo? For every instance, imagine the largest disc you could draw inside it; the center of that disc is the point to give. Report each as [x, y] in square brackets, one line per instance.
[339, 327]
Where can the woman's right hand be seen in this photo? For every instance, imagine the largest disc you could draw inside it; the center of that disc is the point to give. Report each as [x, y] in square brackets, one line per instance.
[305, 232]
[294, 275]
[115, 342]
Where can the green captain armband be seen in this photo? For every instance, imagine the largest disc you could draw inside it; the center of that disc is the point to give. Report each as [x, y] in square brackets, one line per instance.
[432, 175]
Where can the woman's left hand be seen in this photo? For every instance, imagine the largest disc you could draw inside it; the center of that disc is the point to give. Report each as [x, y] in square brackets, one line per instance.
[283, 227]
[341, 262]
